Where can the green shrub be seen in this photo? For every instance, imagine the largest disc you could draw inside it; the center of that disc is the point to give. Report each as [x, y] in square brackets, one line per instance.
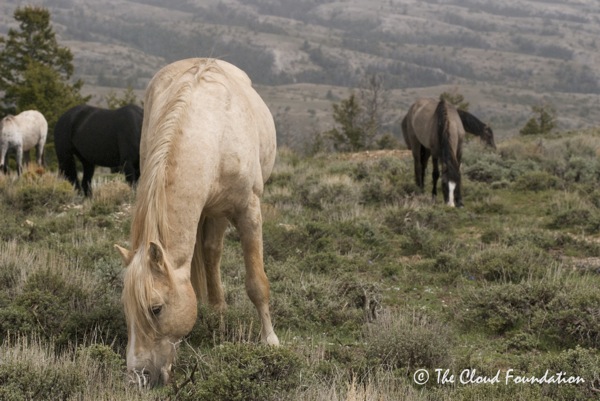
[575, 362]
[317, 192]
[582, 169]
[237, 324]
[53, 306]
[509, 264]
[587, 219]
[447, 262]
[319, 303]
[384, 181]
[283, 240]
[423, 241]
[245, 372]
[500, 308]
[487, 170]
[536, 181]
[571, 317]
[103, 356]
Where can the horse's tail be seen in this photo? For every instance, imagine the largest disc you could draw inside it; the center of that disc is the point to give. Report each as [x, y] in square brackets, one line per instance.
[448, 156]
[64, 150]
[404, 126]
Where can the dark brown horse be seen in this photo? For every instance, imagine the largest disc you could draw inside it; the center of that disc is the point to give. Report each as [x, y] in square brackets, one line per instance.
[434, 129]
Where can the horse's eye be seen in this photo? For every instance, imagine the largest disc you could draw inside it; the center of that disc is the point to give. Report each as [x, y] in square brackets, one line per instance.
[156, 310]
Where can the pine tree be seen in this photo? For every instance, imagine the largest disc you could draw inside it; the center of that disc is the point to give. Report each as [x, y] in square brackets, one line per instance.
[34, 70]
[531, 127]
[114, 101]
[455, 99]
[351, 136]
[543, 123]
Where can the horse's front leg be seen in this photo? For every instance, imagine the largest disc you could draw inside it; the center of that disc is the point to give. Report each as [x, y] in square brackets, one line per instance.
[249, 225]
[131, 174]
[213, 232]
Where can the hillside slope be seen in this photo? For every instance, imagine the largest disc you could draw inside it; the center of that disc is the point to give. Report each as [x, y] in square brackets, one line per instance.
[304, 54]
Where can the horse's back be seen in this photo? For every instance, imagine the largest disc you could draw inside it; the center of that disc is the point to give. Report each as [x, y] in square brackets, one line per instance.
[101, 136]
[224, 121]
[27, 128]
[422, 125]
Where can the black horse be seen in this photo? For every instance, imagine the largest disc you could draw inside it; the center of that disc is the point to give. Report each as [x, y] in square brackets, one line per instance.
[109, 138]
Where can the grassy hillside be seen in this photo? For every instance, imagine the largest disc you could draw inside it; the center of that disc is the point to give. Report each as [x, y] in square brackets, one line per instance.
[503, 56]
[370, 282]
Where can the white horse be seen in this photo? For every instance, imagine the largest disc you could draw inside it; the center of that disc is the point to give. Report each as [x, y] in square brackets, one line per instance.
[207, 147]
[22, 132]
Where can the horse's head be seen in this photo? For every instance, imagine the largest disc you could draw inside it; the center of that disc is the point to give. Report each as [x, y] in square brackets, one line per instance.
[160, 309]
[488, 137]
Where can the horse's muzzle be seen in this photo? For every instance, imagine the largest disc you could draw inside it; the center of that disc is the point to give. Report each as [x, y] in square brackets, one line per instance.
[148, 378]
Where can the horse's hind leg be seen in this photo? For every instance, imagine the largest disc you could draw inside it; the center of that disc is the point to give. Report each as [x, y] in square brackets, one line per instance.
[39, 153]
[249, 225]
[425, 154]
[435, 175]
[67, 168]
[213, 232]
[86, 181]
[417, 153]
[19, 156]
[3, 152]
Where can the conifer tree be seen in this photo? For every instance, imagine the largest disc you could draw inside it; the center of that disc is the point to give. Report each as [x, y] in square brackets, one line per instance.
[350, 136]
[35, 71]
[543, 123]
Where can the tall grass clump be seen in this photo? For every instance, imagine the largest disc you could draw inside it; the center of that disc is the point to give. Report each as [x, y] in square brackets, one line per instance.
[573, 210]
[29, 371]
[408, 341]
[37, 193]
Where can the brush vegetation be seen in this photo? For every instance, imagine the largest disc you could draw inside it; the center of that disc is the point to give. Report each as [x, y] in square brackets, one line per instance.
[370, 281]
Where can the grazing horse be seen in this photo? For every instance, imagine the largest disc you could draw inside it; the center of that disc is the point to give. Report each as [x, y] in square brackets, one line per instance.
[109, 138]
[433, 128]
[22, 132]
[208, 146]
[476, 127]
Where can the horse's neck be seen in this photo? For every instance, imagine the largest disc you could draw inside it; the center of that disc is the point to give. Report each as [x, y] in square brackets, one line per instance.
[470, 123]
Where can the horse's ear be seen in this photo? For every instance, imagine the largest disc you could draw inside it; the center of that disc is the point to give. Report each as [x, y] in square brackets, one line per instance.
[157, 257]
[125, 254]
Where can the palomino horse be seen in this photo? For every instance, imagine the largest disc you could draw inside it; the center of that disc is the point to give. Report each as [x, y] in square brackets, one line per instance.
[433, 128]
[23, 132]
[208, 146]
[98, 137]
